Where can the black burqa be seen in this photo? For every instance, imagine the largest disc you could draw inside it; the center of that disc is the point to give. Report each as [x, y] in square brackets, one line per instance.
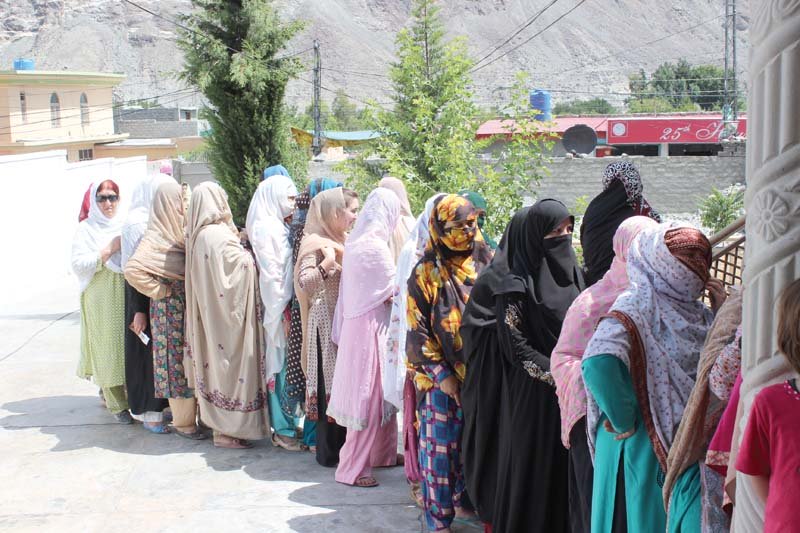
[515, 466]
[139, 358]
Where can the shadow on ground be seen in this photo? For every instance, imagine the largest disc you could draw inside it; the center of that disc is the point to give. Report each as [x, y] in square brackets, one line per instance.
[81, 422]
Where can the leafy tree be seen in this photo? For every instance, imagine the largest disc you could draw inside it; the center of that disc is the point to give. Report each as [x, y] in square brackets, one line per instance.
[595, 106]
[684, 86]
[659, 105]
[428, 139]
[722, 207]
[235, 54]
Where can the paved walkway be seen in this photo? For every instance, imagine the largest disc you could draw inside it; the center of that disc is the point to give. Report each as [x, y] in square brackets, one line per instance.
[67, 467]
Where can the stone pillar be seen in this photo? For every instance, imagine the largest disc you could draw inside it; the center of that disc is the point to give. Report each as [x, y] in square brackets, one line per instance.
[773, 206]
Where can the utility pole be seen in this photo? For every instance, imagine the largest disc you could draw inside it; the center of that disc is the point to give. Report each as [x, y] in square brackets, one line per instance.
[733, 45]
[730, 107]
[316, 143]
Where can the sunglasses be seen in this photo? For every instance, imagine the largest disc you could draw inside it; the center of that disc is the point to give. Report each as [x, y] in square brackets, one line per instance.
[113, 198]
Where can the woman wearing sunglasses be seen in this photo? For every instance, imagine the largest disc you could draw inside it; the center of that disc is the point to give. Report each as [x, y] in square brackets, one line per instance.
[96, 262]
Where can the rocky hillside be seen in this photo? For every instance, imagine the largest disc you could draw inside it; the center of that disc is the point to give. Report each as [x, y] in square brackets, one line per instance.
[588, 53]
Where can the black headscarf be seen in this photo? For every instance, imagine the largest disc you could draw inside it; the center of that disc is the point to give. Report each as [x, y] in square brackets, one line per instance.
[621, 199]
[525, 262]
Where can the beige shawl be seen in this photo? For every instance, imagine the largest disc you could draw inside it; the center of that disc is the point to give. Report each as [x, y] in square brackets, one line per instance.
[406, 221]
[324, 227]
[703, 409]
[162, 251]
[223, 331]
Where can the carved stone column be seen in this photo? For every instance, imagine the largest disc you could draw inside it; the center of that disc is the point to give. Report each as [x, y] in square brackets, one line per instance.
[773, 206]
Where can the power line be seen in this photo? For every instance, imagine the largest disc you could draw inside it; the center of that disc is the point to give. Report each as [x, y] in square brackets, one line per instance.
[205, 36]
[522, 28]
[529, 39]
[357, 73]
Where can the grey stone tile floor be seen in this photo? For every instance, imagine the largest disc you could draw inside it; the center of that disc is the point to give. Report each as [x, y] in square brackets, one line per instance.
[66, 466]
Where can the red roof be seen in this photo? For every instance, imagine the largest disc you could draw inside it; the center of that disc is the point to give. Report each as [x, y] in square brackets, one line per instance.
[600, 124]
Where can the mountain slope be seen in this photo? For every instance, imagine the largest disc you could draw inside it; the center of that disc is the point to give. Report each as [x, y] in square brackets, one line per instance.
[357, 38]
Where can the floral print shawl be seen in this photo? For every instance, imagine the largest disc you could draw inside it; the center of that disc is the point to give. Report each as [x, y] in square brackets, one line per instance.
[439, 288]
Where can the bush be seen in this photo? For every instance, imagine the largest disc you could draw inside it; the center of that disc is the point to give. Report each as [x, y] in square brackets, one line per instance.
[722, 207]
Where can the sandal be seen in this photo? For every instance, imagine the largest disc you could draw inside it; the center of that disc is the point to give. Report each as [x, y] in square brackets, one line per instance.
[192, 435]
[366, 482]
[158, 428]
[287, 443]
[234, 444]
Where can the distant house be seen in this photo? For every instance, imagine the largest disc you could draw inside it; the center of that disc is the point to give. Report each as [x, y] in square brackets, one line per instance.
[57, 110]
[158, 122]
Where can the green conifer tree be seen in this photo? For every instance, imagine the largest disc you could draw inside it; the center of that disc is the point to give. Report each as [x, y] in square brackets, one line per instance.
[235, 54]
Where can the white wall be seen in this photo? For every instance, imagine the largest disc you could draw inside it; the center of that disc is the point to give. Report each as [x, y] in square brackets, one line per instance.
[42, 196]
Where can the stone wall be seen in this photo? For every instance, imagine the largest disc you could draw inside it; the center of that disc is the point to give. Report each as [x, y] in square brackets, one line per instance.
[671, 184]
[156, 129]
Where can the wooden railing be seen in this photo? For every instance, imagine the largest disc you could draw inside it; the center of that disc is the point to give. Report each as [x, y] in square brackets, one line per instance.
[727, 260]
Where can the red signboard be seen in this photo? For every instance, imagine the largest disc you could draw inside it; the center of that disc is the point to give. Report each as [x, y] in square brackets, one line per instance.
[672, 130]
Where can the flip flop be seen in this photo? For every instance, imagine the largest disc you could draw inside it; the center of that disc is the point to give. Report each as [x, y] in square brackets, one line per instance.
[235, 444]
[194, 435]
[366, 482]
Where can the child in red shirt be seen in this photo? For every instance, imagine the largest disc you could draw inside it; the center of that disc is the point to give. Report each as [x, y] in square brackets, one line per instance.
[770, 450]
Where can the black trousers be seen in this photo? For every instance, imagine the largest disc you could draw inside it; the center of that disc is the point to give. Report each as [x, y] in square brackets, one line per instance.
[330, 435]
[581, 474]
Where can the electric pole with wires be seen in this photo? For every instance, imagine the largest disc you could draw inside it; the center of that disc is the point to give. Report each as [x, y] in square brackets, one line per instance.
[316, 144]
[730, 108]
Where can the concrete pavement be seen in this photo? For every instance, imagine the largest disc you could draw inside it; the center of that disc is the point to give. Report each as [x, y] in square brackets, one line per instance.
[66, 466]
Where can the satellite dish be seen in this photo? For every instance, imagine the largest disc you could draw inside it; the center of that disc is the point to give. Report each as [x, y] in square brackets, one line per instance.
[579, 139]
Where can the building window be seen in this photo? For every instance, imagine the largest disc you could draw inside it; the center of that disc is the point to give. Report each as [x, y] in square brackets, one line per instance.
[55, 111]
[85, 155]
[23, 108]
[84, 110]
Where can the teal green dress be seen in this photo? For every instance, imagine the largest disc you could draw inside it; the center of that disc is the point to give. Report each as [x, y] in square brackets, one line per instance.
[609, 381]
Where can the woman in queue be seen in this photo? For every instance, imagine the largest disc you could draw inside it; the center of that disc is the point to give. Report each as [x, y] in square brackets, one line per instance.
[639, 369]
[316, 278]
[223, 330]
[144, 405]
[360, 327]
[438, 290]
[515, 465]
[97, 264]
[158, 270]
[582, 317]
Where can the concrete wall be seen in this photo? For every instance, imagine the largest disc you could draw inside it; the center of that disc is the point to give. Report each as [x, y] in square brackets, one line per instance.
[671, 184]
[156, 129]
[44, 195]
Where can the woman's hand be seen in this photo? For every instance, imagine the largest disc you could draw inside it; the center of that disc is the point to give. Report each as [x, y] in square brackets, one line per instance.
[139, 323]
[451, 387]
[328, 262]
[716, 293]
[110, 249]
[620, 436]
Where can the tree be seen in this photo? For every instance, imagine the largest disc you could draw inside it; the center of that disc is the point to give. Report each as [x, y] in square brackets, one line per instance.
[684, 86]
[234, 52]
[595, 106]
[428, 138]
[722, 207]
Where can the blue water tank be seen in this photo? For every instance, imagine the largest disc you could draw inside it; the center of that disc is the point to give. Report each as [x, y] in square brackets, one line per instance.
[541, 101]
[23, 64]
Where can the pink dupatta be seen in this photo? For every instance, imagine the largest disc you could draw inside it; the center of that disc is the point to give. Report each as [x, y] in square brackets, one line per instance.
[580, 322]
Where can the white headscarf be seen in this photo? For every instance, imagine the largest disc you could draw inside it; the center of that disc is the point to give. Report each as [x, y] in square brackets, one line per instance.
[663, 300]
[393, 368]
[93, 235]
[139, 213]
[269, 235]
